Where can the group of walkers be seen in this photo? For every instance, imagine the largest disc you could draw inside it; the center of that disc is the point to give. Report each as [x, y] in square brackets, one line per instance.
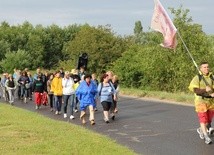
[75, 90]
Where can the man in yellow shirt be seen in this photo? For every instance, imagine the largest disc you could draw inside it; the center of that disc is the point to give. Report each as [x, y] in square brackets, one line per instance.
[203, 99]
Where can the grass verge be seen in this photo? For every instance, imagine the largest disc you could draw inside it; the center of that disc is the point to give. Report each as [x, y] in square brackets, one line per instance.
[23, 132]
[177, 97]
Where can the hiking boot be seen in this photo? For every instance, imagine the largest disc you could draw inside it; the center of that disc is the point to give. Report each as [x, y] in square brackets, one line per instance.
[201, 135]
[208, 140]
[211, 131]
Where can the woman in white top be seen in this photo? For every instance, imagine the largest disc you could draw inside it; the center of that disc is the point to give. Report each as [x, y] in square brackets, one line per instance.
[68, 94]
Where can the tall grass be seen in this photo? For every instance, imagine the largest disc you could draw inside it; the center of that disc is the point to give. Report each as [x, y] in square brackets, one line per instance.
[177, 97]
[26, 133]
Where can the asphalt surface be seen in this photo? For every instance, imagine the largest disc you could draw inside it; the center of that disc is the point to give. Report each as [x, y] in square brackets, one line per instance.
[145, 126]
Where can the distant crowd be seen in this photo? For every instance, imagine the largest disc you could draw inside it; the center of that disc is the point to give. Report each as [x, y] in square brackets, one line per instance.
[64, 91]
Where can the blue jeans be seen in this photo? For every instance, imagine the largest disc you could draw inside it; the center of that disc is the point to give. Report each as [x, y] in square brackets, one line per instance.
[69, 99]
[58, 102]
[24, 92]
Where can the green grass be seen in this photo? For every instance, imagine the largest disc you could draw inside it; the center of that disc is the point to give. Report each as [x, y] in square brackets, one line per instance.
[23, 132]
[185, 98]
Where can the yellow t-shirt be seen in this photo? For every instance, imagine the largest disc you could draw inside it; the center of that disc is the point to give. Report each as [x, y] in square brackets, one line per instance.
[75, 85]
[202, 104]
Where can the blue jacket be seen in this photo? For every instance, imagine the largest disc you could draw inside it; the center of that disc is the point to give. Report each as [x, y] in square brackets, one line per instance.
[86, 94]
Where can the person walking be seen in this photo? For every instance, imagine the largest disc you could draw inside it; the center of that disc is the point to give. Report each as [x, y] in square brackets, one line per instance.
[56, 88]
[203, 99]
[68, 94]
[50, 93]
[86, 93]
[10, 85]
[24, 82]
[115, 82]
[38, 89]
[106, 91]
[76, 78]
[96, 82]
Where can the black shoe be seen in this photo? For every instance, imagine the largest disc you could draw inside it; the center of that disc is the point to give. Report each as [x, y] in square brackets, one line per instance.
[113, 117]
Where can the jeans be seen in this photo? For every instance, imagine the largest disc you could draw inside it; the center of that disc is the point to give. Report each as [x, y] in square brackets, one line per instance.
[69, 99]
[51, 100]
[11, 95]
[24, 91]
[58, 102]
[76, 102]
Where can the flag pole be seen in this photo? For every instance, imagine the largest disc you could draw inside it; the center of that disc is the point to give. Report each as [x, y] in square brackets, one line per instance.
[188, 51]
[207, 84]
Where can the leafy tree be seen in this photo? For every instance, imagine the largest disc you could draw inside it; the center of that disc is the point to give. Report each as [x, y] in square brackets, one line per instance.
[53, 45]
[102, 47]
[152, 67]
[19, 59]
[138, 29]
[35, 48]
[4, 48]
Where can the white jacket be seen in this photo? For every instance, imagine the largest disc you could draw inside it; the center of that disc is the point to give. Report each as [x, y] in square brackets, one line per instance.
[68, 86]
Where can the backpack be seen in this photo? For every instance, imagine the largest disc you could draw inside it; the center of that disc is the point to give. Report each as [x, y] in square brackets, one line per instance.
[201, 76]
[110, 84]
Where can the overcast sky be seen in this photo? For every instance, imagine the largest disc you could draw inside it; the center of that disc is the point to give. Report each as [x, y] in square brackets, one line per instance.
[120, 14]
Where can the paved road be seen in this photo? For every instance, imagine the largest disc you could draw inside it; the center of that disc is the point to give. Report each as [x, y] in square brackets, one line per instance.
[147, 127]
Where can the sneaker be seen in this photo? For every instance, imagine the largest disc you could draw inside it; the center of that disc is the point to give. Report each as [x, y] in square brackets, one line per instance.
[59, 113]
[211, 131]
[75, 110]
[112, 116]
[201, 135]
[106, 120]
[37, 107]
[25, 100]
[12, 103]
[56, 112]
[65, 116]
[72, 117]
[208, 140]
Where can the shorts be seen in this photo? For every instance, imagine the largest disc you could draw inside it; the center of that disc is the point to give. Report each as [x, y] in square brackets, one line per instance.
[106, 105]
[210, 115]
[203, 117]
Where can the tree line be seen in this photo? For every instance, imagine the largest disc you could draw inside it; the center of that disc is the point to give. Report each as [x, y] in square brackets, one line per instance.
[137, 59]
